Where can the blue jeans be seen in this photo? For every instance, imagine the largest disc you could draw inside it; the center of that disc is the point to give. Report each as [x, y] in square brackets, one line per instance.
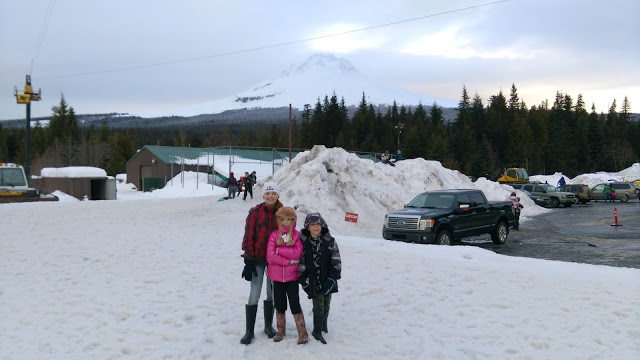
[256, 286]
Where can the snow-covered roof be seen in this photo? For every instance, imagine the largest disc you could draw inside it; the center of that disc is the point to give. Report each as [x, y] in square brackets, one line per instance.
[73, 172]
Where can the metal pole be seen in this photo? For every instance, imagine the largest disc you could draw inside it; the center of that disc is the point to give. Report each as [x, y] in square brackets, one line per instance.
[27, 164]
[289, 132]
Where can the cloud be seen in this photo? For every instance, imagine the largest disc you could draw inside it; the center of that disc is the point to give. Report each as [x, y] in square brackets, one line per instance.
[453, 43]
[343, 39]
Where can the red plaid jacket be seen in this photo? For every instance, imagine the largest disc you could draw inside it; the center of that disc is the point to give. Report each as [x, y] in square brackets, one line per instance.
[260, 222]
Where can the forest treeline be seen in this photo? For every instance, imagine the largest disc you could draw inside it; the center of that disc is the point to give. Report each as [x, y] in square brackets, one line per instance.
[482, 139]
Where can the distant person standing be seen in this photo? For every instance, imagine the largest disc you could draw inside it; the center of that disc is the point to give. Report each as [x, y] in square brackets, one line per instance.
[561, 181]
[398, 156]
[607, 192]
[249, 180]
[515, 209]
[232, 186]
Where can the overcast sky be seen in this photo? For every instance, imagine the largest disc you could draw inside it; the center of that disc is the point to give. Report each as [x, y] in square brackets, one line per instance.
[214, 49]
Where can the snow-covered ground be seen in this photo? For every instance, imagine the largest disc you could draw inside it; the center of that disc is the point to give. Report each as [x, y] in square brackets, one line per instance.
[158, 277]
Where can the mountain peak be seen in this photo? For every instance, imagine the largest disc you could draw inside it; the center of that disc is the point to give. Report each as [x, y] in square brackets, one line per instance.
[304, 83]
[324, 63]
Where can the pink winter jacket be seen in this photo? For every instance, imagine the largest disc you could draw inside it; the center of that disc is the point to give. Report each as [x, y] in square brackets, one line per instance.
[279, 266]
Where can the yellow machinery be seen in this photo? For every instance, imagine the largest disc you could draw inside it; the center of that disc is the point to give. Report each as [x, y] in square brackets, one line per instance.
[514, 176]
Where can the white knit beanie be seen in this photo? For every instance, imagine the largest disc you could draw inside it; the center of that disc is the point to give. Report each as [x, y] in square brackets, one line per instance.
[272, 186]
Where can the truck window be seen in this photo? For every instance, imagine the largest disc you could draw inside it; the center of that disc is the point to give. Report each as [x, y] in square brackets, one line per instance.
[476, 198]
[511, 173]
[528, 187]
[522, 174]
[464, 198]
[12, 177]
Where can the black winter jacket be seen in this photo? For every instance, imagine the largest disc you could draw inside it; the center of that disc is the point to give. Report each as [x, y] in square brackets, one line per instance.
[330, 262]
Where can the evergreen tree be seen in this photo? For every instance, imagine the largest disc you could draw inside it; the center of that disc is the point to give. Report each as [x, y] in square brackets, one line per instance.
[462, 141]
[4, 149]
[497, 123]
[596, 141]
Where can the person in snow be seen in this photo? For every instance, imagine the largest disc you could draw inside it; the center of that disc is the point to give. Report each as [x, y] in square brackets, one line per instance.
[607, 192]
[232, 186]
[284, 251]
[319, 270]
[240, 186]
[515, 209]
[561, 181]
[398, 155]
[260, 222]
[386, 158]
[249, 180]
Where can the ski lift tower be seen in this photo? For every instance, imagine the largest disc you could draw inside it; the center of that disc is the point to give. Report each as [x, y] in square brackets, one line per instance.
[26, 98]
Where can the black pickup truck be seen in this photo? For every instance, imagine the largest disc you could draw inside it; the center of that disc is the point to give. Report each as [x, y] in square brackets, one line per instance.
[443, 216]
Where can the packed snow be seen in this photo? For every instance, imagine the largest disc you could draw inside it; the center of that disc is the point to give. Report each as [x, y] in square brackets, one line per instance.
[158, 277]
[73, 172]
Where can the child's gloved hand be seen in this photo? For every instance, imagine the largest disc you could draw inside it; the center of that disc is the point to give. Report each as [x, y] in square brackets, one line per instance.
[329, 284]
[305, 286]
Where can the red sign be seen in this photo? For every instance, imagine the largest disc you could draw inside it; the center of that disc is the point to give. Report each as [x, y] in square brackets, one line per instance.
[351, 217]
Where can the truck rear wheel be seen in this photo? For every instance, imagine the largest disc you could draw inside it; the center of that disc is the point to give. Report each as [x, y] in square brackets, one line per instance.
[555, 202]
[500, 234]
[443, 238]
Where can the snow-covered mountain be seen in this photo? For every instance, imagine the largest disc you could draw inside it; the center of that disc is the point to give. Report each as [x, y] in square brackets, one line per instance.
[319, 75]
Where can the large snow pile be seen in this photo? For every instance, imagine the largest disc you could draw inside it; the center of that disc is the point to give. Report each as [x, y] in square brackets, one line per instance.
[333, 182]
[591, 179]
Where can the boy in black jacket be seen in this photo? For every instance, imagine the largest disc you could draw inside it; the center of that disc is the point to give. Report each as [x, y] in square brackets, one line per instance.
[319, 270]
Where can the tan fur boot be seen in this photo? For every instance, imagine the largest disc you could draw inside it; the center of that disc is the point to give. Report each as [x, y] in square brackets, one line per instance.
[303, 336]
[281, 324]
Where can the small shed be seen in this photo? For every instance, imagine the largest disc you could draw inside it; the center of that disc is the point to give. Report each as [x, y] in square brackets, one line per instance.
[79, 182]
[153, 166]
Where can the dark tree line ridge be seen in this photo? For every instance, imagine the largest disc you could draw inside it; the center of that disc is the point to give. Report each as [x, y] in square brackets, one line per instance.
[477, 139]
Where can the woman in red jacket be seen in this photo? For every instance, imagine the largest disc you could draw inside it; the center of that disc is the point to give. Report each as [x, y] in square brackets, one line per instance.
[284, 251]
[260, 222]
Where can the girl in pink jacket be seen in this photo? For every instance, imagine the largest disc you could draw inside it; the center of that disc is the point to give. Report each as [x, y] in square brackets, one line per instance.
[284, 251]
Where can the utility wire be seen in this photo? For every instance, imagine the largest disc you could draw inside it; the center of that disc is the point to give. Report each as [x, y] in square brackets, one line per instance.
[283, 43]
[43, 32]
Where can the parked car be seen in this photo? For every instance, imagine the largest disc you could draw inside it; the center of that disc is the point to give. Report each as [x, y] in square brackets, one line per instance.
[581, 191]
[557, 197]
[538, 199]
[624, 191]
[444, 216]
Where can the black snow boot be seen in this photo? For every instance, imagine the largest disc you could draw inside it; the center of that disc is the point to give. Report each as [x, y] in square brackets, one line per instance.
[268, 319]
[250, 311]
[317, 328]
[324, 322]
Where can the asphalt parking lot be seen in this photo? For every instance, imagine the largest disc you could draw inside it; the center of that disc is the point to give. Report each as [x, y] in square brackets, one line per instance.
[580, 233]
